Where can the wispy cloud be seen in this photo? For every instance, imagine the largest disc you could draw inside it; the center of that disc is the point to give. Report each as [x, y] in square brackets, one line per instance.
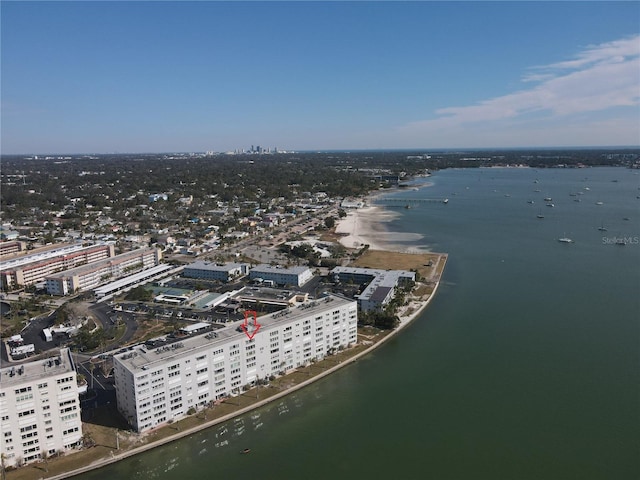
[600, 78]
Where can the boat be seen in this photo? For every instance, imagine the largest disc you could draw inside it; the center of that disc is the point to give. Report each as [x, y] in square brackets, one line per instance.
[599, 203]
[530, 201]
[565, 240]
[245, 451]
[550, 205]
[602, 228]
[621, 241]
[540, 216]
[548, 199]
[446, 200]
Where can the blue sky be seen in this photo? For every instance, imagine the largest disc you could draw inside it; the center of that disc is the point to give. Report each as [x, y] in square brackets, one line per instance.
[96, 77]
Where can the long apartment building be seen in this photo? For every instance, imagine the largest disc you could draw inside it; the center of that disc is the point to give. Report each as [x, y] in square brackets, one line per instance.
[9, 248]
[39, 409]
[156, 386]
[31, 269]
[98, 273]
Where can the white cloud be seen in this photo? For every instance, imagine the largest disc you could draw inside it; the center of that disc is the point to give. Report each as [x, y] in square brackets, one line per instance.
[601, 78]
[615, 51]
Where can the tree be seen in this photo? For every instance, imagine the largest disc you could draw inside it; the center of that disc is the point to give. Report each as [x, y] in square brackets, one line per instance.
[140, 294]
[45, 458]
[330, 222]
[62, 315]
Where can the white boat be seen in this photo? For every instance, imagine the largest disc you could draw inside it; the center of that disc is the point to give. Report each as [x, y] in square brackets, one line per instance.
[565, 240]
[599, 203]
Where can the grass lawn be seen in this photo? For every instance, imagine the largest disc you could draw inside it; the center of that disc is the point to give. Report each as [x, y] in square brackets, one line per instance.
[426, 264]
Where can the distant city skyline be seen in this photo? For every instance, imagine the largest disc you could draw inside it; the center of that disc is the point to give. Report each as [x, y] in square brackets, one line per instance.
[142, 77]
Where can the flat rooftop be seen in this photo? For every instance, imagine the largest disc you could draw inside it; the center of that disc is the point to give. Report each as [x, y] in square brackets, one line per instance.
[29, 372]
[141, 358]
[267, 294]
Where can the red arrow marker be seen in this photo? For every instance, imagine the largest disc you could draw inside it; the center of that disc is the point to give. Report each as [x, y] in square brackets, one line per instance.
[250, 329]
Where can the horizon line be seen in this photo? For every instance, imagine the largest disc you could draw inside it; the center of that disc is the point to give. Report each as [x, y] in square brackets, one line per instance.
[334, 150]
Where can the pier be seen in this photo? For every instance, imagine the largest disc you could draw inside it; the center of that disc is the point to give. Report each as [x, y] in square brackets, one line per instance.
[407, 201]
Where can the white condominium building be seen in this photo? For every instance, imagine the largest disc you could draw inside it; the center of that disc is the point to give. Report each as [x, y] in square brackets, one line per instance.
[155, 386]
[39, 409]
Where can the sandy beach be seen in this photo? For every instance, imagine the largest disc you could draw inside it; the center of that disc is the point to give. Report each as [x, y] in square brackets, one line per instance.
[361, 227]
[369, 226]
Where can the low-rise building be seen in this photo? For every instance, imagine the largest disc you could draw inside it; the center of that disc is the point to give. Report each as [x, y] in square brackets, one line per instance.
[381, 284]
[39, 409]
[296, 276]
[154, 387]
[214, 271]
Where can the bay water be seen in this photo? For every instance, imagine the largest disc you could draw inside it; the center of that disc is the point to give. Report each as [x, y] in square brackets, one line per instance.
[525, 366]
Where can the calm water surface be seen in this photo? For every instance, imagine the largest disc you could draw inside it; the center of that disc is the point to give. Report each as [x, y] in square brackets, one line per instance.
[525, 366]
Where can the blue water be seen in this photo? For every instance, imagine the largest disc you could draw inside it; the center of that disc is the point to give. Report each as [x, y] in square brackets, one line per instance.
[525, 366]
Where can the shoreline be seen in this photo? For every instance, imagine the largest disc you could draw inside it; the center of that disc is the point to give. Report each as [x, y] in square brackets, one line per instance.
[404, 322]
[361, 226]
[368, 226]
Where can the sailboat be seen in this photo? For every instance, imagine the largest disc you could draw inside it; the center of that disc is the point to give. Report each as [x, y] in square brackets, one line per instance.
[602, 228]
